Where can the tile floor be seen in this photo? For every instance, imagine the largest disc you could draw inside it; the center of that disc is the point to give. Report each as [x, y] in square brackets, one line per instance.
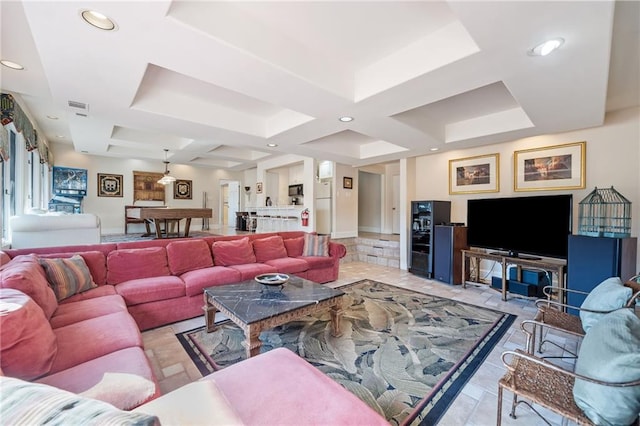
[477, 402]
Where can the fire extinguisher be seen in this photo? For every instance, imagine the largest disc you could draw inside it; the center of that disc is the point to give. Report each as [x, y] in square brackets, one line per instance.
[305, 217]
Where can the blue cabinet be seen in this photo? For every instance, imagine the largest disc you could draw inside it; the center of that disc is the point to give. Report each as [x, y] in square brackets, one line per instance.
[591, 260]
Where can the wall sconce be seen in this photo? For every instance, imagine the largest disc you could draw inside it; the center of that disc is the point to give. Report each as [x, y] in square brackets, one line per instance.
[247, 189]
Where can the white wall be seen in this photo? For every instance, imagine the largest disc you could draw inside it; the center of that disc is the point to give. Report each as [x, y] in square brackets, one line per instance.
[111, 209]
[345, 212]
[369, 202]
[612, 158]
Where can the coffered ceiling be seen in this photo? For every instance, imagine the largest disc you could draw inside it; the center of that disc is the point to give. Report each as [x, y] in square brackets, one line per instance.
[215, 82]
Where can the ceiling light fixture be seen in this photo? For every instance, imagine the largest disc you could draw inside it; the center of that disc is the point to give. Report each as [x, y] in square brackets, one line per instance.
[52, 117]
[434, 149]
[98, 20]
[272, 145]
[345, 119]
[543, 49]
[12, 65]
[167, 178]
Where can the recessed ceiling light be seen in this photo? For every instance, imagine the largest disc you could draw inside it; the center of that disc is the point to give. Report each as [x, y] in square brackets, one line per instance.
[60, 136]
[12, 65]
[52, 117]
[434, 149]
[272, 145]
[543, 49]
[345, 119]
[98, 20]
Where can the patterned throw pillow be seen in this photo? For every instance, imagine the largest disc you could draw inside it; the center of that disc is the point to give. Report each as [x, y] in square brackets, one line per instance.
[34, 403]
[68, 276]
[316, 245]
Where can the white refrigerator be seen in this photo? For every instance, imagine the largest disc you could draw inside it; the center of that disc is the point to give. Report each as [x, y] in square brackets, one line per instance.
[323, 207]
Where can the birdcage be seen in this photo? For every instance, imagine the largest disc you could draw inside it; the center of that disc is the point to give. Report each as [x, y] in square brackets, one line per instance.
[605, 213]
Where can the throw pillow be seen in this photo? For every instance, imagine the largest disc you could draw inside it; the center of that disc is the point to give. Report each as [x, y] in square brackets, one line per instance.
[316, 245]
[607, 296]
[269, 248]
[24, 273]
[27, 342]
[233, 252]
[122, 390]
[185, 256]
[68, 276]
[131, 264]
[294, 246]
[35, 403]
[610, 351]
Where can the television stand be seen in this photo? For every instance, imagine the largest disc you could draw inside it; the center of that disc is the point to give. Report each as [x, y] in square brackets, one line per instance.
[555, 265]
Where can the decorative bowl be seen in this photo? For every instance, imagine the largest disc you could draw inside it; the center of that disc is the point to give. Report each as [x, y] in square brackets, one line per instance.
[272, 279]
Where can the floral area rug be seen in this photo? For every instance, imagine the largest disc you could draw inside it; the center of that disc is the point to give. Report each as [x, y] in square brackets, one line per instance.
[406, 354]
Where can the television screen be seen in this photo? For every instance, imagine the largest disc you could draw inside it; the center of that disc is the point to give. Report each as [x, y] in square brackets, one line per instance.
[538, 225]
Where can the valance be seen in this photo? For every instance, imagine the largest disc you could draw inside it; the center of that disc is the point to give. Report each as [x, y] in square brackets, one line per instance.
[11, 112]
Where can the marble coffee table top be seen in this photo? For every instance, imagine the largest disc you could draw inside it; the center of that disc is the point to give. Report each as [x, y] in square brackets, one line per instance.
[251, 301]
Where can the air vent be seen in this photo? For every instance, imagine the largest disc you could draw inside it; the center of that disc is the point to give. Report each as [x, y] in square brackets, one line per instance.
[79, 105]
[80, 114]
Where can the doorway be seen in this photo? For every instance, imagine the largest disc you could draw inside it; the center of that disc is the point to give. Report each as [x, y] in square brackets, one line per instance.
[229, 202]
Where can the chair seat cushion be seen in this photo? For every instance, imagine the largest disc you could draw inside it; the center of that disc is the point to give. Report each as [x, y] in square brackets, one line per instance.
[610, 352]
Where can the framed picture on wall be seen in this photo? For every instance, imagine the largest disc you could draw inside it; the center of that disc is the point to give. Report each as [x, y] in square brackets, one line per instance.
[259, 188]
[109, 185]
[474, 174]
[182, 189]
[347, 182]
[550, 168]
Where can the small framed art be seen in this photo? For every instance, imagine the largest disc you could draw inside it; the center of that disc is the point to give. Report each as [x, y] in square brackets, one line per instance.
[109, 185]
[182, 189]
[347, 182]
[550, 168]
[474, 174]
[259, 188]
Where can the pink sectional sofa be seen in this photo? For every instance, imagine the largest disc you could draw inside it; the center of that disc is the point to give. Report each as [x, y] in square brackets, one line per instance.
[71, 343]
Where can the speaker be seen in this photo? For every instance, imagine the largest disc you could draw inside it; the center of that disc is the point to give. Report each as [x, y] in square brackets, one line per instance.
[448, 243]
[592, 260]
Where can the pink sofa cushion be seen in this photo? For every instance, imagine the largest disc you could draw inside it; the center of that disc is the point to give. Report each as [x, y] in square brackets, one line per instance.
[81, 377]
[196, 281]
[289, 265]
[151, 289]
[4, 258]
[316, 245]
[96, 262]
[68, 276]
[294, 246]
[188, 255]
[130, 264]
[92, 338]
[269, 248]
[234, 252]
[250, 270]
[24, 273]
[101, 290]
[27, 343]
[317, 262]
[69, 313]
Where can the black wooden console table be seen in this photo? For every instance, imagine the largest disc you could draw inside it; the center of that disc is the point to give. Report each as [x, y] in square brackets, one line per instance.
[554, 265]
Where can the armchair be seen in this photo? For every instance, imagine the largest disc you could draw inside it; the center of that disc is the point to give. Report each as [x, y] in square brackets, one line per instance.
[608, 296]
[545, 384]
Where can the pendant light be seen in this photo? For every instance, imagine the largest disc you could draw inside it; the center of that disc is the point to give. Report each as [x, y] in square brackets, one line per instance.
[167, 178]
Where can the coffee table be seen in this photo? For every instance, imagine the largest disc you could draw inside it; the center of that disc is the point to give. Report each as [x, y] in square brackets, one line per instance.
[255, 307]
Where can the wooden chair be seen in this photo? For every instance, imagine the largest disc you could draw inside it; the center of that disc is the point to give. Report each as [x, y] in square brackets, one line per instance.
[545, 384]
[551, 314]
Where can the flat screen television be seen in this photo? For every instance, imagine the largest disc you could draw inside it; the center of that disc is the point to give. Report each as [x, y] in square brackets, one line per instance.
[538, 225]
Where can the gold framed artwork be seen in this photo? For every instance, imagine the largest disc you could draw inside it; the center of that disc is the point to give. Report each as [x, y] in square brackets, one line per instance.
[259, 188]
[347, 182]
[550, 168]
[109, 185]
[182, 189]
[472, 175]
